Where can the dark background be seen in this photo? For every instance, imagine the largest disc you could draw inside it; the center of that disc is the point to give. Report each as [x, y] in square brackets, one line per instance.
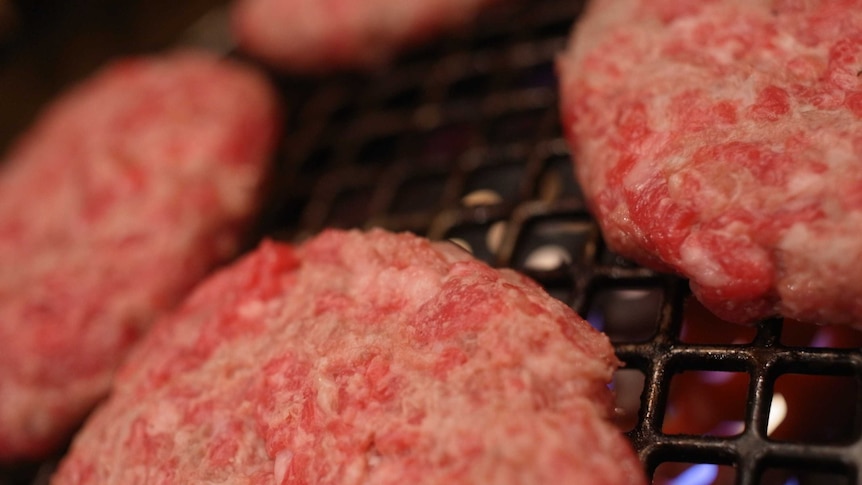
[46, 44]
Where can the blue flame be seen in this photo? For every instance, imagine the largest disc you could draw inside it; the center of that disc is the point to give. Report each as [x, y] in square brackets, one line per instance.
[703, 474]
[596, 319]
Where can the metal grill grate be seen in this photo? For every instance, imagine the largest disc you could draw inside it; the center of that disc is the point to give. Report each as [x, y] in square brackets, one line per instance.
[461, 141]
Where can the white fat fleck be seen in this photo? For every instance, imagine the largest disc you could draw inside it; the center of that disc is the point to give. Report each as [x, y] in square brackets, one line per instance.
[374, 460]
[796, 238]
[803, 182]
[840, 153]
[252, 310]
[675, 162]
[787, 42]
[354, 472]
[640, 172]
[701, 267]
[282, 461]
[327, 394]
[165, 420]
[808, 240]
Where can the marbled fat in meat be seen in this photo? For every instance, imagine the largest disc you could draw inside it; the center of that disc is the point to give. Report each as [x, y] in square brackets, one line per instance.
[722, 140]
[125, 192]
[371, 358]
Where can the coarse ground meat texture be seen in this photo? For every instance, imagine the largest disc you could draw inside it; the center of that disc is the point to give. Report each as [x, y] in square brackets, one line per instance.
[371, 358]
[325, 35]
[722, 140]
[124, 194]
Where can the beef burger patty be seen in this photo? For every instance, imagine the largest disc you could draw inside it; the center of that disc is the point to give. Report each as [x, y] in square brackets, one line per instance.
[723, 140]
[372, 358]
[123, 195]
[325, 35]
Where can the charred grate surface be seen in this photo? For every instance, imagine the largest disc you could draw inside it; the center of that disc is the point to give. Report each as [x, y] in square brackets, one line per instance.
[461, 141]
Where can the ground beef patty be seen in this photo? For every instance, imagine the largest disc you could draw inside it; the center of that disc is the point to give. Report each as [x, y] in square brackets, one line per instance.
[125, 193]
[322, 35]
[368, 358]
[723, 140]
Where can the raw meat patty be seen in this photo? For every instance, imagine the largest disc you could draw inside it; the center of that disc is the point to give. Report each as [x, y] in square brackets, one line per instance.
[321, 35]
[722, 140]
[122, 196]
[370, 358]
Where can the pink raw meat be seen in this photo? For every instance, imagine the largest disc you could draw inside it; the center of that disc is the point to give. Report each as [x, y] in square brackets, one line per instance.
[125, 193]
[321, 35]
[370, 358]
[722, 140]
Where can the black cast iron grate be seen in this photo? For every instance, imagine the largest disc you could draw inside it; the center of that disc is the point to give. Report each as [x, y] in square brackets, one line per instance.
[461, 141]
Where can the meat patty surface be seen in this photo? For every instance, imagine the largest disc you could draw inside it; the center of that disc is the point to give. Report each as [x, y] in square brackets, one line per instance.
[722, 140]
[371, 358]
[324, 35]
[124, 193]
